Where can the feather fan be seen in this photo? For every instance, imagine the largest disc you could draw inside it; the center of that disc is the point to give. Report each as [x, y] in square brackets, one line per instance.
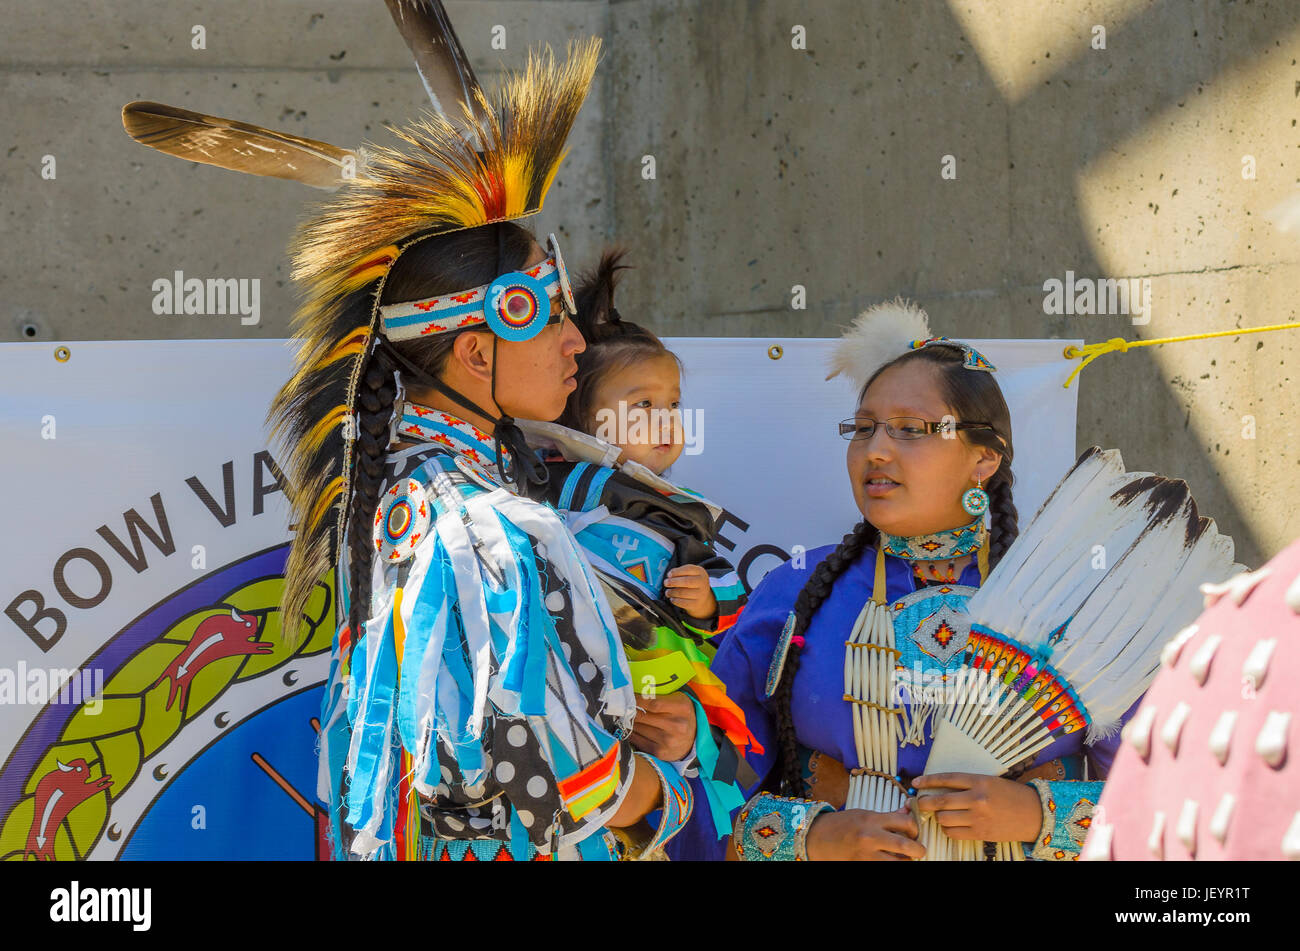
[1105, 574]
[1067, 630]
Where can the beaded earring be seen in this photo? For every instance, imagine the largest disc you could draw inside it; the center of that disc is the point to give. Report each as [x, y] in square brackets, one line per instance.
[975, 501]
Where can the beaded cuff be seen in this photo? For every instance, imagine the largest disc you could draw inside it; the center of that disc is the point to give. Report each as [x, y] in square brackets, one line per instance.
[678, 802]
[775, 829]
[1068, 806]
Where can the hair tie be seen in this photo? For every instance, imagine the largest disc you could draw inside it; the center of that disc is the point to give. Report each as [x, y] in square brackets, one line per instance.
[798, 641]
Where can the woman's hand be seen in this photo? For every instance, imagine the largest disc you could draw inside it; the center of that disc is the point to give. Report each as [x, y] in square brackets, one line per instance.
[665, 726]
[859, 835]
[982, 807]
[687, 586]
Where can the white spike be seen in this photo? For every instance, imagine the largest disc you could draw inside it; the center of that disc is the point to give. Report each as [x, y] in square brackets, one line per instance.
[1291, 840]
[1222, 816]
[1237, 588]
[1156, 840]
[1271, 741]
[1221, 735]
[1256, 666]
[1138, 730]
[1098, 846]
[1169, 655]
[1186, 830]
[1204, 656]
[1174, 727]
[1292, 596]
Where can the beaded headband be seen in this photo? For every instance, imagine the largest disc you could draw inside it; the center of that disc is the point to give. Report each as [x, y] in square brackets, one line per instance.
[515, 306]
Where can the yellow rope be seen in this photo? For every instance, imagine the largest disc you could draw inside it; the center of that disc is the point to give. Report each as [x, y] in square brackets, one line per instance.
[1091, 351]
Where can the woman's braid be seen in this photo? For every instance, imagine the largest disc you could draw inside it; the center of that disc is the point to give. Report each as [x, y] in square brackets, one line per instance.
[1004, 524]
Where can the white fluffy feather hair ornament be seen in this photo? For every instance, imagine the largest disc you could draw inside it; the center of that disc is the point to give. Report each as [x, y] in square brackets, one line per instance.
[880, 334]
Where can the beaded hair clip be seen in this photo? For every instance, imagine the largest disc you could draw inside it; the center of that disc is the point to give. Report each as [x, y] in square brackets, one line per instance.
[974, 359]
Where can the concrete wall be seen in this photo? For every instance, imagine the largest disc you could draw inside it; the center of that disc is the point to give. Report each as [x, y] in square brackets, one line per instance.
[774, 166]
[80, 252]
[822, 167]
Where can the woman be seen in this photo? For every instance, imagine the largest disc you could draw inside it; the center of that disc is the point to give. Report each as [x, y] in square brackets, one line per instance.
[930, 447]
[479, 704]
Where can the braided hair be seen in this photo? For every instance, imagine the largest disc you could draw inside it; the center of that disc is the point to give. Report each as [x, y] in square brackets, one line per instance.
[973, 396]
[441, 264]
[613, 343]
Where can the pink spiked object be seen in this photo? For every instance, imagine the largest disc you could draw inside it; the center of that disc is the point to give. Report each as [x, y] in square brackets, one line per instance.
[1209, 767]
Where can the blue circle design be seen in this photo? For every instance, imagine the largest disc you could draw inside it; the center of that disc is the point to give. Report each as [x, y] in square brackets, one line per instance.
[975, 501]
[499, 292]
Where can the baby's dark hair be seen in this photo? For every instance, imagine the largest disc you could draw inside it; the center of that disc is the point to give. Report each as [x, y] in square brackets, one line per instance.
[613, 344]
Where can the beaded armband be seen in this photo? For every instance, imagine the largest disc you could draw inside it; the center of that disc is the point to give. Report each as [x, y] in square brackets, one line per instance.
[678, 802]
[1068, 806]
[775, 829]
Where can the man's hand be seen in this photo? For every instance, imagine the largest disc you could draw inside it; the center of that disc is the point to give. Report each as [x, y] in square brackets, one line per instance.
[687, 586]
[664, 726]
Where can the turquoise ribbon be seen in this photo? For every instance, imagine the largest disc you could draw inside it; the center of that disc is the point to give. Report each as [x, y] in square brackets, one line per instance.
[521, 849]
[723, 798]
[376, 734]
[334, 745]
[526, 674]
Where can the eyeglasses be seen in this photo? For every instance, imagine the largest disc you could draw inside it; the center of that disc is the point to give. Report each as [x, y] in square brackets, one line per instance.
[901, 427]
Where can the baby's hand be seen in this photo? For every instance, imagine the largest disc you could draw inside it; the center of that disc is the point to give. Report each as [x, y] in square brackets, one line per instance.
[688, 587]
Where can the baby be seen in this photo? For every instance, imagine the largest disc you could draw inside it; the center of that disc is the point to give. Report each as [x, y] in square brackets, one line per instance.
[629, 396]
[650, 541]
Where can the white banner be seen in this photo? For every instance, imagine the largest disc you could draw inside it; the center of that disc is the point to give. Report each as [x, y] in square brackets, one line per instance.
[148, 707]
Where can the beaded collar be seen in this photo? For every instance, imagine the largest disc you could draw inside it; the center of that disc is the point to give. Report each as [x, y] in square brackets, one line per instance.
[949, 543]
[415, 423]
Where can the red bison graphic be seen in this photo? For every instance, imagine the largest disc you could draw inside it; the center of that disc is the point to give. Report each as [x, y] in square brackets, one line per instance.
[58, 793]
[217, 637]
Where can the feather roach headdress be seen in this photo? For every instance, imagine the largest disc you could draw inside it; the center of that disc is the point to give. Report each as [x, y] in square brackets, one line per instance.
[478, 160]
[439, 183]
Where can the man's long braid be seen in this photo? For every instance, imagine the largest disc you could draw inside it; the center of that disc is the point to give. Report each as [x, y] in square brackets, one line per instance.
[815, 591]
[376, 394]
